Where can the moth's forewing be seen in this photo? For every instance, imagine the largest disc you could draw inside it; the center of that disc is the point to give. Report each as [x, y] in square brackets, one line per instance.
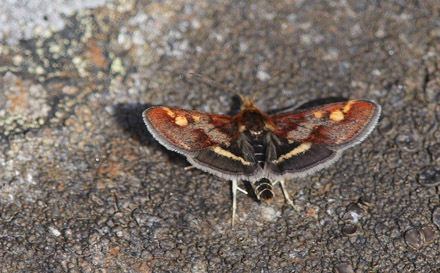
[337, 125]
[313, 138]
[209, 141]
[187, 131]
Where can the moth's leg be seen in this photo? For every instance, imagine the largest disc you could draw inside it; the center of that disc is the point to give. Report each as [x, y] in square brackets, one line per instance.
[286, 194]
[234, 199]
[242, 190]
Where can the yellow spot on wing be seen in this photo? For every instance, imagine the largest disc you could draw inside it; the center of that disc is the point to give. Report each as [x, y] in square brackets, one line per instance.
[169, 112]
[347, 107]
[196, 118]
[230, 155]
[337, 115]
[302, 148]
[181, 121]
[318, 114]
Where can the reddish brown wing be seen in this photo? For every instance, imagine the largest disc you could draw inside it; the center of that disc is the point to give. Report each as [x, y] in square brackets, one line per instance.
[338, 125]
[185, 130]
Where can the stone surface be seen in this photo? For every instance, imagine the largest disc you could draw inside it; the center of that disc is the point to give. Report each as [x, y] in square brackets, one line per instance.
[84, 187]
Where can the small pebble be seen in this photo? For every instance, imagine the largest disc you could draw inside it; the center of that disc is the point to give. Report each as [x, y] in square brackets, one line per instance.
[413, 239]
[349, 229]
[436, 217]
[428, 234]
[417, 238]
[343, 268]
[429, 176]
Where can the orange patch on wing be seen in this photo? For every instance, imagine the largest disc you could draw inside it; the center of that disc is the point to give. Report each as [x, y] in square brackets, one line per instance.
[181, 121]
[169, 112]
[318, 114]
[347, 107]
[337, 116]
[196, 118]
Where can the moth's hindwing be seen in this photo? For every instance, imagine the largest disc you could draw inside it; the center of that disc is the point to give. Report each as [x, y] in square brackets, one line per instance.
[299, 159]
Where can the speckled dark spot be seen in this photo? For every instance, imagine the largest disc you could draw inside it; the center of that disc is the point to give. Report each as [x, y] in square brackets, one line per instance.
[353, 213]
[393, 158]
[436, 217]
[409, 143]
[343, 268]
[428, 234]
[413, 239]
[417, 238]
[386, 126]
[365, 202]
[349, 229]
[354, 208]
[434, 151]
[429, 176]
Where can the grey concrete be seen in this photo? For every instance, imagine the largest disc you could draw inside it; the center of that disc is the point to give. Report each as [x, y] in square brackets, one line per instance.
[85, 188]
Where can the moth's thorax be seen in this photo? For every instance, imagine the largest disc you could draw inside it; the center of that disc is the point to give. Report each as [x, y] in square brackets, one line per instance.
[254, 121]
[254, 125]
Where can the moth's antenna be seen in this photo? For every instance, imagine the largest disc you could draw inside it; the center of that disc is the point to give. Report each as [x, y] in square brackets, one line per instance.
[264, 85]
[217, 84]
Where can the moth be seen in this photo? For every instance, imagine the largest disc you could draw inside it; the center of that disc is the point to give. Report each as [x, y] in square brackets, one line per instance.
[260, 148]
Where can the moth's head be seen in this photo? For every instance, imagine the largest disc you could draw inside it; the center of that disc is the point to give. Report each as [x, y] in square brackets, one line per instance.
[246, 103]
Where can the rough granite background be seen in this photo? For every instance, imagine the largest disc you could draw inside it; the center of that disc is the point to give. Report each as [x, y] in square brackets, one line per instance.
[85, 188]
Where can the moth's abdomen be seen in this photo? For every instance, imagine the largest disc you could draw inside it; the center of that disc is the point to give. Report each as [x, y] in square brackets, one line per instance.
[259, 151]
[263, 190]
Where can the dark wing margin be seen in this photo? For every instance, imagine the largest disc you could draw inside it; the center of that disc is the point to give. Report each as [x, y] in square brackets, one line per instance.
[297, 159]
[235, 160]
